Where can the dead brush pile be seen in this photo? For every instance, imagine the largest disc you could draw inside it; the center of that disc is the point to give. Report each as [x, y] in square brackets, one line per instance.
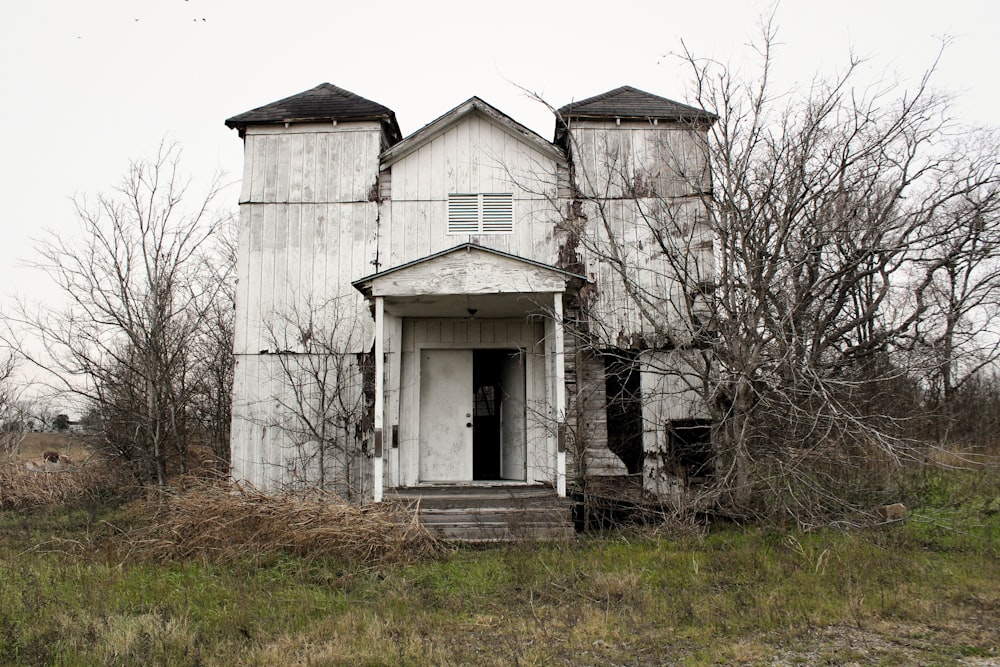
[223, 522]
[95, 481]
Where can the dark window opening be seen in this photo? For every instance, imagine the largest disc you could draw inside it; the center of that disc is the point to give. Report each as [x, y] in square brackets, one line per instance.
[689, 449]
[624, 405]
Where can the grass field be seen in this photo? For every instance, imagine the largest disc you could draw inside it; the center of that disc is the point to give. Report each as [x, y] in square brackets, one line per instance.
[927, 591]
[33, 444]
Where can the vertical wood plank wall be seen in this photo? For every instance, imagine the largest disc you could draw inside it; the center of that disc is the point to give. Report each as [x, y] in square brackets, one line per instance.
[269, 449]
[670, 391]
[308, 227]
[642, 184]
[473, 156]
[307, 230]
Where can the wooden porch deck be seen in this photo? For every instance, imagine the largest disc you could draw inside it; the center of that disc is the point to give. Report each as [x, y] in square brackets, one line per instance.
[488, 512]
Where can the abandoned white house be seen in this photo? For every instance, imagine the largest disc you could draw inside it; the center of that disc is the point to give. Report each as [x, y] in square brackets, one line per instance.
[469, 303]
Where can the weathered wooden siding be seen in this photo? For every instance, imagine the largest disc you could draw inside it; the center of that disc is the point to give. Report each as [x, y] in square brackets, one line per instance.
[473, 156]
[298, 260]
[269, 447]
[639, 159]
[644, 242]
[312, 162]
[308, 227]
[645, 259]
[671, 390]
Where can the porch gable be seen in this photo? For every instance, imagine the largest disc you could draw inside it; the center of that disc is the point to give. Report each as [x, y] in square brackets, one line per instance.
[467, 269]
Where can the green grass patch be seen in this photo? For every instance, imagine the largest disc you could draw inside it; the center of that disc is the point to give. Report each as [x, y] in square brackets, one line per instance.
[925, 590]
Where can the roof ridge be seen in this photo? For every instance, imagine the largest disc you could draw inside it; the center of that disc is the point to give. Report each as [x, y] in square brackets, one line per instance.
[474, 104]
[609, 94]
[634, 103]
[324, 101]
[326, 85]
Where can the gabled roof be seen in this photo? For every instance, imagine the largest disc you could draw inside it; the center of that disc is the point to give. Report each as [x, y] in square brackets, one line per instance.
[326, 102]
[472, 105]
[631, 103]
[364, 285]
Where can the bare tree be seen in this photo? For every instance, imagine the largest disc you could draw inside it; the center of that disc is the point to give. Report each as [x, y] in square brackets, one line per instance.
[15, 414]
[141, 290]
[784, 279]
[212, 354]
[8, 393]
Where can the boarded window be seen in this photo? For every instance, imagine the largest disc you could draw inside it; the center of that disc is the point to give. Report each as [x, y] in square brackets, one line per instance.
[483, 213]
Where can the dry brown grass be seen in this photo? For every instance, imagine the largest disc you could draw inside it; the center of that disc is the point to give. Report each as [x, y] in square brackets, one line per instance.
[202, 516]
[223, 522]
[22, 488]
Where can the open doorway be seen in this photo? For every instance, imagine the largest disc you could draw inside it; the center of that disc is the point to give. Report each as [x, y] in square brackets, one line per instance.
[499, 443]
[624, 403]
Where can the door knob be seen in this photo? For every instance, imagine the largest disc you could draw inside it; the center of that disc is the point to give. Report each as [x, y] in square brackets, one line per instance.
[469, 424]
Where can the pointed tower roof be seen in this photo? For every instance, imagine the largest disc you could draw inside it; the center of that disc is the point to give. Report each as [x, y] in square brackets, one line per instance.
[628, 103]
[326, 102]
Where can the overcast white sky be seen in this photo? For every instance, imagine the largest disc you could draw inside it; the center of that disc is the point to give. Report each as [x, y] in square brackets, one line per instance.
[86, 86]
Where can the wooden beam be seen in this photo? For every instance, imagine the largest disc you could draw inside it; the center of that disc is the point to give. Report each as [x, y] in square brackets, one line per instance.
[551, 429]
[560, 388]
[560, 360]
[393, 332]
[377, 461]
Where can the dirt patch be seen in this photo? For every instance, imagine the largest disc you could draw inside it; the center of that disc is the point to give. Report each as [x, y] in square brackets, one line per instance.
[889, 643]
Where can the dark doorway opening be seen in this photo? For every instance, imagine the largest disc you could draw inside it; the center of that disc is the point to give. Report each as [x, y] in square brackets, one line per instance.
[624, 405]
[497, 382]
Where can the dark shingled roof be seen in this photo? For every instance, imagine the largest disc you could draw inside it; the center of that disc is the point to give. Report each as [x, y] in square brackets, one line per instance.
[631, 103]
[325, 102]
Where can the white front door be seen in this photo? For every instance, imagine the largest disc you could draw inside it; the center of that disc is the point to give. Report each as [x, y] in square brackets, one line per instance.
[445, 415]
[513, 444]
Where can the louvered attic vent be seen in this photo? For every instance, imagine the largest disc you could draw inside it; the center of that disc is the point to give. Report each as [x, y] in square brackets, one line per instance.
[486, 213]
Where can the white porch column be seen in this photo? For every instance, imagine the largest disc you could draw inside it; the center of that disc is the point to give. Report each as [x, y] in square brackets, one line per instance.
[377, 458]
[393, 327]
[560, 393]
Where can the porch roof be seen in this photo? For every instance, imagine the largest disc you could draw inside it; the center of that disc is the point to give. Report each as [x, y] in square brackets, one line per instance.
[468, 279]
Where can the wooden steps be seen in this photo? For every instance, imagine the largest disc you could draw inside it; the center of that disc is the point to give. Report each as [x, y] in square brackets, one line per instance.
[489, 513]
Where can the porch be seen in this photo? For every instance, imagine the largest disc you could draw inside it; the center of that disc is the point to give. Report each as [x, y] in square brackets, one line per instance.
[469, 384]
[493, 512]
